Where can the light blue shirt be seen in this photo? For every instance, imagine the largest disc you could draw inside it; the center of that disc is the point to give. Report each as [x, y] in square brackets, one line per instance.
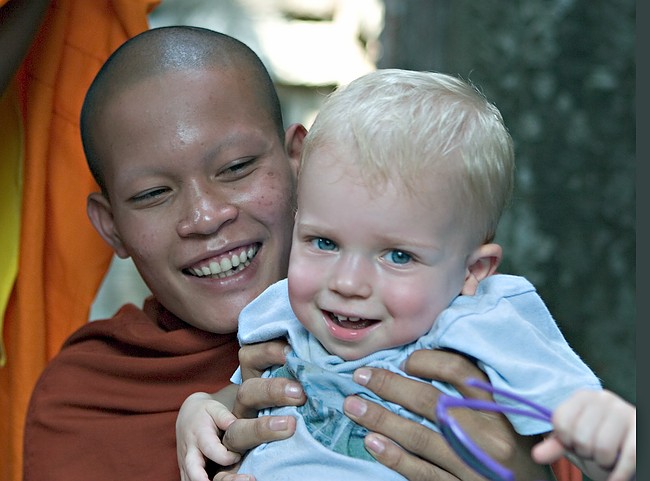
[505, 327]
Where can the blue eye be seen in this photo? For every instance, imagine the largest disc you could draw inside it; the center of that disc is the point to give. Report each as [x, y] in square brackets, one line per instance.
[323, 244]
[398, 257]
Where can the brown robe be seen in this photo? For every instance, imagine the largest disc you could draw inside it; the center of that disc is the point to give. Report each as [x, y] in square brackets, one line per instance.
[105, 407]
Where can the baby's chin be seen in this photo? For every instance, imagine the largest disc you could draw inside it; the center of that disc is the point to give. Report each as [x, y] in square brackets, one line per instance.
[352, 352]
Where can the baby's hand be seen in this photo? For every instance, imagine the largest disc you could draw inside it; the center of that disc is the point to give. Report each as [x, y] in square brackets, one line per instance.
[200, 423]
[597, 427]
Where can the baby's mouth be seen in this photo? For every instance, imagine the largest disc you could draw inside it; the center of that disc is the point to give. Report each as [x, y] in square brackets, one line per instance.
[227, 264]
[350, 322]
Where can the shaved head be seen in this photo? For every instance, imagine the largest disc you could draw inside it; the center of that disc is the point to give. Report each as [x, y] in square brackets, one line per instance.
[158, 51]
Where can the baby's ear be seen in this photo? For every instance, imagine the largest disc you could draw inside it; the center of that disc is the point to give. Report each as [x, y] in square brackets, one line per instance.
[100, 214]
[481, 263]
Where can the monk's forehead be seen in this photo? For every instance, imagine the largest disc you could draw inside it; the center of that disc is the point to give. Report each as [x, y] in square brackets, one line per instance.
[147, 60]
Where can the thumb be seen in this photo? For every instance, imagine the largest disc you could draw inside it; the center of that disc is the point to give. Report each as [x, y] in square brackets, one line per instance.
[548, 451]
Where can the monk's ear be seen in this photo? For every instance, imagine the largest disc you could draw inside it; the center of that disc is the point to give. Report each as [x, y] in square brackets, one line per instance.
[100, 214]
[293, 142]
[481, 263]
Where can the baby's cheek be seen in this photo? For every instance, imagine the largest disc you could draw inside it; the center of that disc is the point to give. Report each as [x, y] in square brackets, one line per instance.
[301, 280]
[414, 310]
[306, 278]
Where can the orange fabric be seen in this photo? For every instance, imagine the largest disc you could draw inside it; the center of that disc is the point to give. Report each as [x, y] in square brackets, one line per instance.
[565, 471]
[62, 259]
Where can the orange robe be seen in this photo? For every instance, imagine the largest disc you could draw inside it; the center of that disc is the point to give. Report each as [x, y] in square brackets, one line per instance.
[62, 260]
[565, 471]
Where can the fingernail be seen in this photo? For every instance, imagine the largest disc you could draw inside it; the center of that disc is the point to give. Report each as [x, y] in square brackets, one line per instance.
[374, 444]
[278, 423]
[355, 406]
[293, 390]
[362, 376]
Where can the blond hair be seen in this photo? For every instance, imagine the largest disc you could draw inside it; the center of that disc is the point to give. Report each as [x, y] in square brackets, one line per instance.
[405, 124]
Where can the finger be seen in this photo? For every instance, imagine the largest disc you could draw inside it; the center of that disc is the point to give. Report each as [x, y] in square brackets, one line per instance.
[418, 440]
[448, 367]
[548, 451]
[391, 387]
[193, 466]
[213, 449]
[607, 440]
[254, 359]
[245, 434]
[567, 418]
[617, 420]
[231, 474]
[233, 477]
[220, 416]
[625, 469]
[259, 393]
[411, 467]
[576, 424]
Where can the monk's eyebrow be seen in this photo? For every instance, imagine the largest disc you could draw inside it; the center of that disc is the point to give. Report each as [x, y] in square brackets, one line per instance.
[247, 142]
